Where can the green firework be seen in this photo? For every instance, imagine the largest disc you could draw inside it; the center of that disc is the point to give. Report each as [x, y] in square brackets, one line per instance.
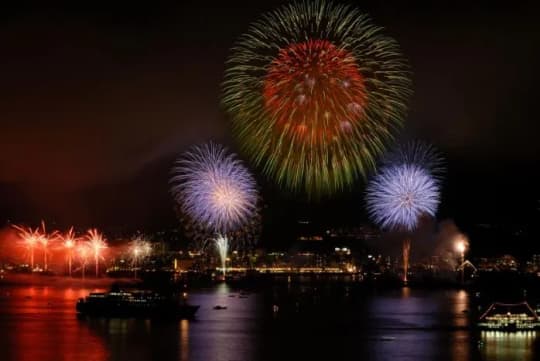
[315, 91]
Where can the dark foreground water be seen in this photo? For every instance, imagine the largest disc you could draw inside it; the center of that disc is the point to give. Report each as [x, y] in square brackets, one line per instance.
[313, 323]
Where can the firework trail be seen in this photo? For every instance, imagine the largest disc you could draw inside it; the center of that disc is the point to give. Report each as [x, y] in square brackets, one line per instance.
[96, 243]
[315, 90]
[46, 240]
[242, 238]
[69, 241]
[406, 253]
[222, 245]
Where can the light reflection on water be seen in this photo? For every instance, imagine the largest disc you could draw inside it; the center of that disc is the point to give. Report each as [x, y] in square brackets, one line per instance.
[508, 346]
[39, 323]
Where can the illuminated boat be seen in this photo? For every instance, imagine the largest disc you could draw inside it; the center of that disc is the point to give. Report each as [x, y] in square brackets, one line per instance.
[145, 304]
[509, 317]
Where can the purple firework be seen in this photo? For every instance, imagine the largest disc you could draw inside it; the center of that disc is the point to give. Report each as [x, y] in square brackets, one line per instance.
[400, 194]
[214, 188]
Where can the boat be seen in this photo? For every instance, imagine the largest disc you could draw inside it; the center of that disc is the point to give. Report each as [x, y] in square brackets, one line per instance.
[137, 303]
[509, 317]
[219, 307]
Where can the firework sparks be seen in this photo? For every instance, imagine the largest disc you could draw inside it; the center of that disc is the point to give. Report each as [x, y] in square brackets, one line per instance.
[398, 196]
[46, 240]
[139, 248]
[222, 245]
[37, 237]
[69, 241]
[314, 90]
[406, 188]
[30, 239]
[406, 253]
[214, 188]
[416, 153]
[216, 192]
[83, 252]
[96, 243]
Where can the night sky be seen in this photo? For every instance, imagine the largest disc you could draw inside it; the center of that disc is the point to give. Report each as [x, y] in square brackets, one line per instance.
[96, 101]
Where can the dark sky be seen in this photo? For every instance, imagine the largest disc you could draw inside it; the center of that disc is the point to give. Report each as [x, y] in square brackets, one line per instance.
[96, 101]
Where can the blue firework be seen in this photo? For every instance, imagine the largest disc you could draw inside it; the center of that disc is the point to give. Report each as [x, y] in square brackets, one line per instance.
[214, 188]
[400, 194]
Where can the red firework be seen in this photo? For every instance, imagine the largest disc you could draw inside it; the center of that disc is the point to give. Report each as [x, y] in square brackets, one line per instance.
[314, 91]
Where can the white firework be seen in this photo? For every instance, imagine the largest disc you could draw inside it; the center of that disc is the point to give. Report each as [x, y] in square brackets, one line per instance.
[400, 194]
[214, 188]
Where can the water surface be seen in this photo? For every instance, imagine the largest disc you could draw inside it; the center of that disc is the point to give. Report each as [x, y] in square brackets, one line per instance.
[311, 323]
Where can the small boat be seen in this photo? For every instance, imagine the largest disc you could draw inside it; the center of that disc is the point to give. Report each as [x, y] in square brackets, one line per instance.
[139, 303]
[219, 307]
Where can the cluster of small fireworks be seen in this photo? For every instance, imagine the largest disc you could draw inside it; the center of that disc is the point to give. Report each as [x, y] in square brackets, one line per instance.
[314, 90]
[215, 190]
[33, 238]
[92, 244]
[30, 238]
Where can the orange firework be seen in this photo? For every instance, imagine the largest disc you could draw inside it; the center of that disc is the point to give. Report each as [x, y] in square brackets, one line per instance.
[30, 238]
[83, 251]
[69, 242]
[96, 243]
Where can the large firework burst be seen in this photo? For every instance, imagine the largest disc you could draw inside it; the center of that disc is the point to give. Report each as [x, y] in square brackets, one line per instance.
[214, 189]
[400, 194]
[314, 90]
